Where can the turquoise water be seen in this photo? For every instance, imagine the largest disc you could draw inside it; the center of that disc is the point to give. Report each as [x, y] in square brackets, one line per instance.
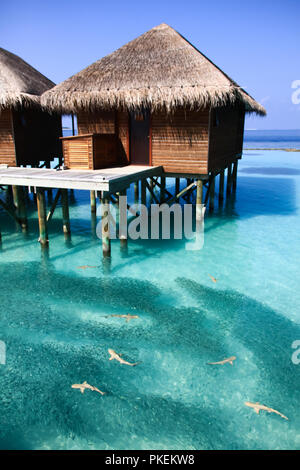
[54, 319]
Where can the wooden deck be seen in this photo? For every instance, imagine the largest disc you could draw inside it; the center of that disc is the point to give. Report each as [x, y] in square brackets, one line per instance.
[108, 179]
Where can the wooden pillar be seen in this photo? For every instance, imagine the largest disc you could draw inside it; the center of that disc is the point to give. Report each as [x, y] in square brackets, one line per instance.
[212, 194]
[65, 213]
[41, 206]
[234, 175]
[22, 208]
[177, 186]
[221, 188]
[162, 188]
[15, 196]
[228, 189]
[123, 221]
[93, 202]
[143, 192]
[136, 192]
[199, 197]
[106, 243]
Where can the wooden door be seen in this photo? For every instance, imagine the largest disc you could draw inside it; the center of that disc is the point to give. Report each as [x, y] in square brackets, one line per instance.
[139, 137]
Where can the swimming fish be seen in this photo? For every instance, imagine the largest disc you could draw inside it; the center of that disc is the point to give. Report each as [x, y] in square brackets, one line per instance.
[114, 355]
[86, 266]
[229, 359]
[257, 407]
[85, 386]
[213, 278]
[128, 316]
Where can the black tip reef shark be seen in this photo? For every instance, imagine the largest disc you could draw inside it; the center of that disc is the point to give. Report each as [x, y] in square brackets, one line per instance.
[85, 386]
[229, 359]
[257, 407]
[114, 355]
[128, 316]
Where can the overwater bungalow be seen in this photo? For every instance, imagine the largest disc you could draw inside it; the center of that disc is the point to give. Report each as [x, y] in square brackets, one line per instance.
[29, 134]
[155, 101]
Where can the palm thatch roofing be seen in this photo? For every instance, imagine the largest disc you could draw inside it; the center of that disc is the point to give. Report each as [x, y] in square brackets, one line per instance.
[20, 84]
[160, 69]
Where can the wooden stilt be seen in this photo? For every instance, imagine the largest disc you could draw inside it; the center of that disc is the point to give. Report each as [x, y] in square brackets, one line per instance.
[177, 185]
[212, 194]
[93, 202]
[65, 213]
[123, 221]
[228, 189]
[136, 192]
[234, 175]
[106, 243]
[162, 188]
[15, 196]
[199, 197]
[22, 208]
[221, 188]
[41, 206]
[143, 192]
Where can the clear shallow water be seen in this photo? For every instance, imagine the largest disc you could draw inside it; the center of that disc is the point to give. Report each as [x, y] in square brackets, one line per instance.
[53, 318]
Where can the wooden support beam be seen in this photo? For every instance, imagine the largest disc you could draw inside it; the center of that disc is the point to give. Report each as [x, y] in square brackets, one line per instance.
[54, 204]
[162, 188]
[65, 213]
[177, 185]
[191, 187]
[234, 175]
[136, 192]
[10, 211]
[15, 196]
[93, 202]
[199, 197]
[228, 189]
[150, 189]
[123, 221]
[221, 188]
[144, 182]
[212, 194]
[106, 242]
[21, 210]
[41, 206]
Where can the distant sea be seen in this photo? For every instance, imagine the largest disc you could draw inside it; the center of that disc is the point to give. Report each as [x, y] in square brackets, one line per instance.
[271, 139]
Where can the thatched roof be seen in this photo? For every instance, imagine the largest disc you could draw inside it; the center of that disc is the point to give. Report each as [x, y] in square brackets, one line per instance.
[159, 69]
[19, 82]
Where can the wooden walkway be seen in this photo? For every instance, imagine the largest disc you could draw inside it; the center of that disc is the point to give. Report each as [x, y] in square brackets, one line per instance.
[109, 179]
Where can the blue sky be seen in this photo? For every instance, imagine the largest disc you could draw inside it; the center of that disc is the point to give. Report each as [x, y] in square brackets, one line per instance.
[256, 42]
